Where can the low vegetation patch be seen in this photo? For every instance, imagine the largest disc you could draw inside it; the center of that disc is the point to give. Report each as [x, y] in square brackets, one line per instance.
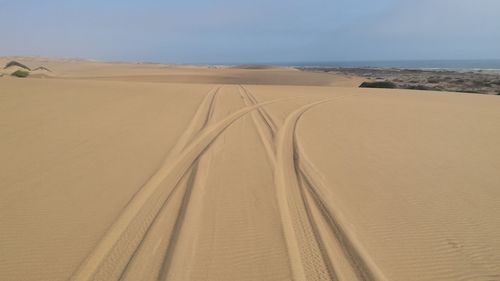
[21, 74]
[378, 84]
[15, 63]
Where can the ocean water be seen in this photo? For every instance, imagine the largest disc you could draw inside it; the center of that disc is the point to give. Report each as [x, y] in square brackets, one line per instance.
[493, 64]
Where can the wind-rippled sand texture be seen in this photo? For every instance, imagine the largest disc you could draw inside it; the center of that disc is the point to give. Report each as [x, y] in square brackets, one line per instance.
[115, 180]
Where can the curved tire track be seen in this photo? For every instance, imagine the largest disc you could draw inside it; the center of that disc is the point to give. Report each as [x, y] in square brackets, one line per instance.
[306, 256]
[160, 237]
[108, 261]
[264, 124]
[354, 251]
[113, 252]
[308, 182]
[295, 171]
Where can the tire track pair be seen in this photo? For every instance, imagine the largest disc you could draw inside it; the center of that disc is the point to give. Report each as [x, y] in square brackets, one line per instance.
[121, 245]
[112, 255]
[315, 254]
[153, 257]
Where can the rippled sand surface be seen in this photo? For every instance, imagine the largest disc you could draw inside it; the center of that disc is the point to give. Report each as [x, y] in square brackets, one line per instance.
[153, 172]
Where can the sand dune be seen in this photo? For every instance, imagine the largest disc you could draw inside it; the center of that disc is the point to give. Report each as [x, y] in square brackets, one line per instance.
[126, 177]
[187, 74]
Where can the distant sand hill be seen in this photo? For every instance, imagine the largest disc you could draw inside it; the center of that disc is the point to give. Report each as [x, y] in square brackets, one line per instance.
[121, 171]
[149, 72]
[258, 66]
[14, 66]
[17, 65]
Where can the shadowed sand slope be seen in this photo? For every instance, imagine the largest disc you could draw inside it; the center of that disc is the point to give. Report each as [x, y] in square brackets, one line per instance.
[110, 180]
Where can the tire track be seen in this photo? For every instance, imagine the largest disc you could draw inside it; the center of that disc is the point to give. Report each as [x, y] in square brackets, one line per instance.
[344, 257]
[234, 238]
[304, 250]
[113, 252]
[354, 253]
[302, 239]
[264, 124]
[296, 236]
[163, 263]
[268, 120]
[153, 257]
[145, 261]
[158, 243]
[196, 182]
[114, 260]
[295, 171]
[198, 122]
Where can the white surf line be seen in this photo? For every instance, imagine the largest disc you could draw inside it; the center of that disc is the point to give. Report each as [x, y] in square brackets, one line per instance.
[128, 230]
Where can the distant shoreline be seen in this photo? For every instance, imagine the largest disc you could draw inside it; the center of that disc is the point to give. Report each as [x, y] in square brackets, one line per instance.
[453, 65]
[459, 70]
[468, 81]
[478, 81]
[447, 65]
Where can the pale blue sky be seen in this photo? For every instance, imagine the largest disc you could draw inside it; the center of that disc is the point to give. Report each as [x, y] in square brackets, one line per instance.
[253, 31]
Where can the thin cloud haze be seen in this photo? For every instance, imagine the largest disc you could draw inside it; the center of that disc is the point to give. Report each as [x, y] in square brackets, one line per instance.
[252, 31]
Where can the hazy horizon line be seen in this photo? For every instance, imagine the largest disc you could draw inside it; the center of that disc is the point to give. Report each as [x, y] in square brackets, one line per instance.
[283, 63]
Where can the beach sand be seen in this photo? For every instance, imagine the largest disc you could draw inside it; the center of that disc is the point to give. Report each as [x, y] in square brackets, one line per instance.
[117, 171]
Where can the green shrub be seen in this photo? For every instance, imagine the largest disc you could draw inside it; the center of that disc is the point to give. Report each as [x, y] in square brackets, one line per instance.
[21, 74]
[378, 84]
[15, 63]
